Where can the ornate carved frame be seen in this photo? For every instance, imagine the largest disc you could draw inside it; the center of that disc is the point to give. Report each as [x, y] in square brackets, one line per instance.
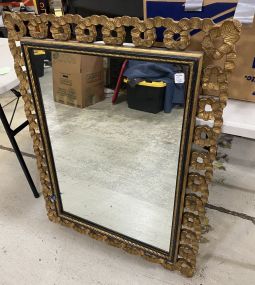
[218, 43]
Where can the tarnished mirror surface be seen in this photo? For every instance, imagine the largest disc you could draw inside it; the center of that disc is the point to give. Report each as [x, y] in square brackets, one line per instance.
[116, 166]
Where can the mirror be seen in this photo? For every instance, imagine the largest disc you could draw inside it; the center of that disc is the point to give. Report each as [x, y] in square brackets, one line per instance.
[116, 129]
[149, 139]
[116, 164]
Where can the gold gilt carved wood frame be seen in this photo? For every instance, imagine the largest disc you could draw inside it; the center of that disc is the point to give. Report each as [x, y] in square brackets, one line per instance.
[218, 43]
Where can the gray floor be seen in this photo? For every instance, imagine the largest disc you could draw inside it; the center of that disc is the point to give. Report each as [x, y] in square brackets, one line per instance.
[36, 251]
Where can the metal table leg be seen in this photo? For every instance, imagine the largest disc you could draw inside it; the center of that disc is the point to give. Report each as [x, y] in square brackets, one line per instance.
[11, 135]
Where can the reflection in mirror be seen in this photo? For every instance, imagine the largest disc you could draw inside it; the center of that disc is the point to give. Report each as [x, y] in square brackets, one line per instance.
[116, 162]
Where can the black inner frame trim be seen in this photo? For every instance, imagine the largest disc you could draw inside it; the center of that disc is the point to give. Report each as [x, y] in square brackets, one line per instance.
[114, 53]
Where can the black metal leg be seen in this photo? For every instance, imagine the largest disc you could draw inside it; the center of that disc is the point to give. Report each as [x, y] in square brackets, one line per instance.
[11, 135]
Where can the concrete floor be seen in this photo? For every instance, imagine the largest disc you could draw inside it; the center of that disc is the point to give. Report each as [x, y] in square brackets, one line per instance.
[36, 251]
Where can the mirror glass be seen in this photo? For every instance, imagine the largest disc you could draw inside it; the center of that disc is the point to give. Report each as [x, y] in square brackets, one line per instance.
[115, 128]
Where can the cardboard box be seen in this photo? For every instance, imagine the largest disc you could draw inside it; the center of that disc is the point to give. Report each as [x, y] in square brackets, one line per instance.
[242, 83]
[77, 79]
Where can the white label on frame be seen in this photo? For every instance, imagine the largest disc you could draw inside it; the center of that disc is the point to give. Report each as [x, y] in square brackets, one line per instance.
[179, 78]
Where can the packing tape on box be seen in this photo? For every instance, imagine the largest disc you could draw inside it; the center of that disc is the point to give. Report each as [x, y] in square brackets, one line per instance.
[193, 5]
[245, 11]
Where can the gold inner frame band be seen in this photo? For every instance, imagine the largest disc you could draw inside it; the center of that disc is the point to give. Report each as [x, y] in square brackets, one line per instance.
[41, 115]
